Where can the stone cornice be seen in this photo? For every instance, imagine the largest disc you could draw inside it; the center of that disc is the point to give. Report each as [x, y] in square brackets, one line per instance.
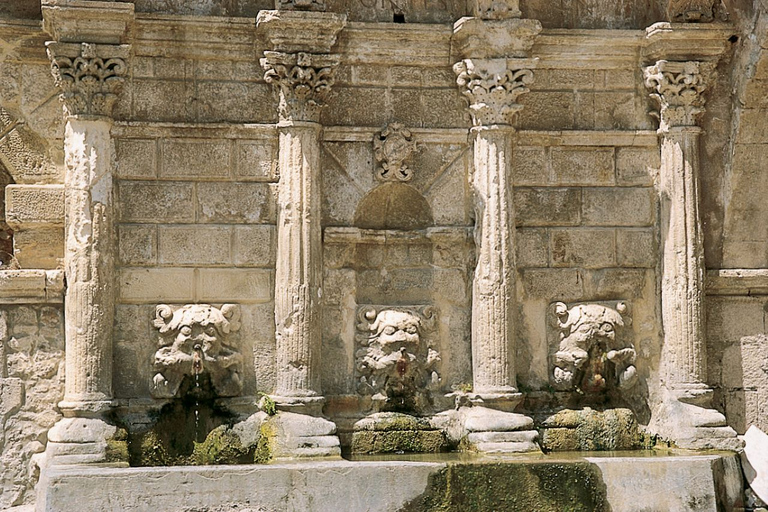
[299, 31]
[686, 41]
[487, 39]
[679, 88]
[734, 281]
[75, 21]
[492, 87]
[31, 286]
[89, 76]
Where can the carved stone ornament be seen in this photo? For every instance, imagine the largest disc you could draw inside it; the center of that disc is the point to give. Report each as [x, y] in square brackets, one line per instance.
[392, 147]
[492, 87]
[304, 81]
[300, 5]
[678, 87]
[592, 354]
[397, 363]
[89, 83]
[690, 11]
[196, 339]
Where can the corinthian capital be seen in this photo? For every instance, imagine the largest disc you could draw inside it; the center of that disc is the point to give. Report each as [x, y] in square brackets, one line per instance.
[492, 87]
[304, 81]
[89, 76]
[679, 88]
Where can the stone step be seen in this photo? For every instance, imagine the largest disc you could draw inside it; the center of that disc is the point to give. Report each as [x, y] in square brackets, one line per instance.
[526, 436]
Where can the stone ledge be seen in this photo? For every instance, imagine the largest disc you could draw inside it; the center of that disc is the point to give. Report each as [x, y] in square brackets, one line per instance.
[31, 286]
[735, 281]
[630, 483]
[334, 235]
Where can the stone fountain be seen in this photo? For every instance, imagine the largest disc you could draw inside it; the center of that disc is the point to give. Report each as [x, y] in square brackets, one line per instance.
[272, 258]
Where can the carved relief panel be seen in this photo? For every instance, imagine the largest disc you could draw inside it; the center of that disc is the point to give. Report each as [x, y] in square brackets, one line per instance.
[590, 347]
[193, 340]
[397, 362]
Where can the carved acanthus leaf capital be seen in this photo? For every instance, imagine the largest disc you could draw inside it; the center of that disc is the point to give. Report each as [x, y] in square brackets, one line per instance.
[492, 87]
[90, 77]
[679, 88]
[304, 81]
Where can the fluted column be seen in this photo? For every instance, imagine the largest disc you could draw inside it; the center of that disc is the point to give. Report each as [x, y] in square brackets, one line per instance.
[687, 415]
[494, 72]
[303, 81]
[301, 68]
[492, 87]
[90, 77]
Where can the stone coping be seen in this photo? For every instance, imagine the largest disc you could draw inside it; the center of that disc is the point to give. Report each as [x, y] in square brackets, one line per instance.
[737, 281]
[31, 286]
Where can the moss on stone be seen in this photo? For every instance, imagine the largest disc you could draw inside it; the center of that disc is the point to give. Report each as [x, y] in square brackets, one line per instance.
[265, 445]
[222, 446]
[590, 430]
[513, 487]
[393, 441]
[117, 447]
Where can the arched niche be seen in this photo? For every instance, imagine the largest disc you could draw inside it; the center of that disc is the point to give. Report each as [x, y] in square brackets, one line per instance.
[394, 206]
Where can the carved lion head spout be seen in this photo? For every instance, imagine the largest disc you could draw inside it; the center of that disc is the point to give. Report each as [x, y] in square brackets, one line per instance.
[592, 356]
[195, 340]
[397, 367]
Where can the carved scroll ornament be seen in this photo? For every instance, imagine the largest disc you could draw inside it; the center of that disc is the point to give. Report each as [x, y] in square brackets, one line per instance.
[392, 147]
[679, 88]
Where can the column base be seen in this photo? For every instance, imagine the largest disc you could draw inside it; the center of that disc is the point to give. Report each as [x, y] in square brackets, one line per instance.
[77, 440]
[493, 431]
[687, 418]
[309, 405]
[500, 400]
[302, 435]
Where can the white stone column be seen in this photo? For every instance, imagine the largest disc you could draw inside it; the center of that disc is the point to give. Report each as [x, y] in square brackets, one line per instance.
[492, 86]
[686, 414]
[301, 69]
[493, 73]
[89, 76]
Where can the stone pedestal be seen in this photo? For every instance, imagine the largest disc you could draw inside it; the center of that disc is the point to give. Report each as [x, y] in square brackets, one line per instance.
[493, 73]
[686, 414]
[302, 71]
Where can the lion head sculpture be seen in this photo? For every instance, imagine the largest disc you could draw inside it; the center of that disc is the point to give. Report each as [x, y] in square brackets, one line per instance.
[592, 356]
[195, 340]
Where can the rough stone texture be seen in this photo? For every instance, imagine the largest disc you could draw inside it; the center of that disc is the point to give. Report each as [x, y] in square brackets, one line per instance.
[31, 383]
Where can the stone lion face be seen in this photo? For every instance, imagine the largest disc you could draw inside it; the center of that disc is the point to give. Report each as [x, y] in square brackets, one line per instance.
[199, 327]
[396, 327]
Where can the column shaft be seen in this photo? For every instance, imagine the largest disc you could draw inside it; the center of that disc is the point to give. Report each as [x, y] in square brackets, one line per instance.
[298, 271]
[493, 352]
[682, 291]
[88, 260]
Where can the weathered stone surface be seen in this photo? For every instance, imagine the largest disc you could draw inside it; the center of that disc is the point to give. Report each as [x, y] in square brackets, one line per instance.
[753, 460]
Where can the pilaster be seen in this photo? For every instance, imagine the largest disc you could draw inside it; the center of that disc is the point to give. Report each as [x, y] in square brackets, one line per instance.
[301, 68]
[494, 71]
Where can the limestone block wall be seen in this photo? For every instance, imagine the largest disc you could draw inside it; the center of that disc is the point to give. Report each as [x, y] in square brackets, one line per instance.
[31, 376]
[197, 225]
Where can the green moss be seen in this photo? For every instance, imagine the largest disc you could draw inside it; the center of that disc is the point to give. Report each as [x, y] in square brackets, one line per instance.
[590, 430]
[267, 404]
[117, 447]
[392, 441]
[265, 445]
[513, 487]
[222, 446]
